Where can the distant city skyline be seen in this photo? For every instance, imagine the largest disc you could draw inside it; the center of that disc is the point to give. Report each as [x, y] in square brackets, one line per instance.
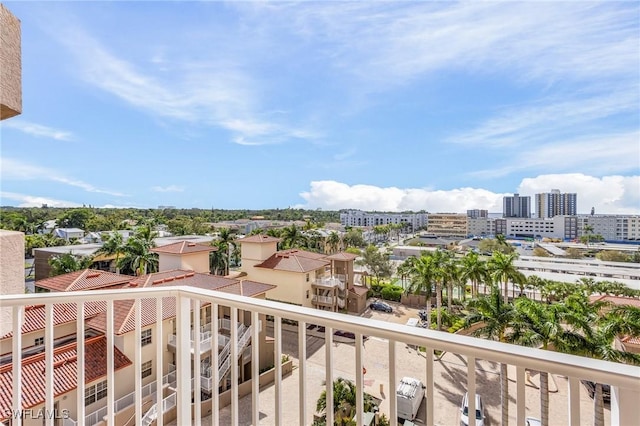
[384, 106]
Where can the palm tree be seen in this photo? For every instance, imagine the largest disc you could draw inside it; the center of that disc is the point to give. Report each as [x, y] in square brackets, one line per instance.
[218, 261]
[67, 262]
[588, 230]
[292, 236]
[344, 401]
[502, 270]
[422, 275]
[496, 317]
[474, 269]
[333, 242]
[114, 245]
[137, 257]
[540, 325]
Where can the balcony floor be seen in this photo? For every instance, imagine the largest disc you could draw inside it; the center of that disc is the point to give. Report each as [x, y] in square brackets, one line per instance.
[450, 385]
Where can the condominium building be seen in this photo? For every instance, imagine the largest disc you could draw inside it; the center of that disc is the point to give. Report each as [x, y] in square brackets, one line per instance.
[414, 221]
[555, 203]
[453, 225]
[516, 206]
[481, 226]
[477, 213]
[537, 228]
[611, 227]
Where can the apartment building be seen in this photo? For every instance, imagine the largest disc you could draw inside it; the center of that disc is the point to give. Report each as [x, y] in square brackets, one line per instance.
[127, 342]
[481, 226]
[414, 221]
[301, 277]
[555, 203]
[516, 206]
[611, 227]
[537, 228]
[452, 225]
[477, 213]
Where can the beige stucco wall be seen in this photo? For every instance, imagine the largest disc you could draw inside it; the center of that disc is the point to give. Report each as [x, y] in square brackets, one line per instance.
[198, 262]
[254, 253]
[11, 271]
[10, 65]
[291, 286]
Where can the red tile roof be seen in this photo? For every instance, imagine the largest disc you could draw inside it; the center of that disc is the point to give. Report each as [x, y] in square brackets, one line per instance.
[344, 256]
[124, 312]
[616, 300]
[294, 261]
[87, 279]
[65, 363]
[34, 316]
[359, 290]
[183, 247]
[258, 238]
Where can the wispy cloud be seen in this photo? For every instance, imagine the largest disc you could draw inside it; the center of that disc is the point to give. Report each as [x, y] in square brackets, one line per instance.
[169, 188]
[38, 130]
[614, 153]
[13, 169]
[209, 92]
[25, 200]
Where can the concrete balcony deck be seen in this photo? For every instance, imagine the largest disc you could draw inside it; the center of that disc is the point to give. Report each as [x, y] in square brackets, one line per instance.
[388, 337]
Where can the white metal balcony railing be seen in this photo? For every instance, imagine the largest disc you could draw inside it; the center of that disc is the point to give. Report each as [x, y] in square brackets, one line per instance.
[331, 282]
[205, 341]
[328, 300]
[625, 386]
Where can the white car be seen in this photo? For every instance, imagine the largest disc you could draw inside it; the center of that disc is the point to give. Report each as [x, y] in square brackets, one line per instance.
[464, 411]
[532, 421]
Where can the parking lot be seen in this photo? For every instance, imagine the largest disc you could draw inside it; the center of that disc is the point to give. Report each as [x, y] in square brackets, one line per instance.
[450, 375]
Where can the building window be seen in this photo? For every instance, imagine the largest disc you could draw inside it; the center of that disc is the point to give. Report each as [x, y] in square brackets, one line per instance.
[307, 277]
[307, 294]
[145, 337]
[95, 393]
[146, 369]
[39, 341]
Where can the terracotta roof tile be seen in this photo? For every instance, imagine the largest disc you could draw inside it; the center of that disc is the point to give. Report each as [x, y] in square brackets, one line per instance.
[344, 256]
[616, 300]
[65, 372]
[359, 289]
[35, 316]
[294, 261]
[258, 238]
[87, 279]
[254, 288]
[183, 247]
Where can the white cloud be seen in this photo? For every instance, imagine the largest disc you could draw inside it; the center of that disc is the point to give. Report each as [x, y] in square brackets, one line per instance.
[34, 201]
[13, 169]
[608, 194]
[38, 130]
[170, 188]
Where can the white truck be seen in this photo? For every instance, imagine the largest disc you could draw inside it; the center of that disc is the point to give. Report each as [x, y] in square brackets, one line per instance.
[409, 396]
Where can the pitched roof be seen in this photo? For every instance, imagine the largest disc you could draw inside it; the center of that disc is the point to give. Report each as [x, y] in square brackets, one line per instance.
[124, 312]
[359, 289]
[183, 247]
[294, 261]
[65, 364]
[35, 316]
[616, 300]
[87, 279]
[258, 238]
[343, 255]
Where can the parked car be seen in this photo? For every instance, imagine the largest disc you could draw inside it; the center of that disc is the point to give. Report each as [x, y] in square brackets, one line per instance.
[532, 421]
[591, 390]
[464, 411]
[380, 306]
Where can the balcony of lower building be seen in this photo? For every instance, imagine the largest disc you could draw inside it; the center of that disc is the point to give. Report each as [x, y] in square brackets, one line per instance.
[184, 402]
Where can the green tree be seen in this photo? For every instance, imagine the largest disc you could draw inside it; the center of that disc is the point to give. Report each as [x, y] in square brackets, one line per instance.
[475, 270]
[292, 236]
[496, 317]
[422, 275]
[353, 238]
[113, 246]
[67, 262]
[137, 256]
[378, 264]
[588, 230]
[75, 218]
[333, 242]
[344, 402]
[613, 256]
[502, 270]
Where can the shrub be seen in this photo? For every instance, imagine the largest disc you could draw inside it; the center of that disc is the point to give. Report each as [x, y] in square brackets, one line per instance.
[392, 292]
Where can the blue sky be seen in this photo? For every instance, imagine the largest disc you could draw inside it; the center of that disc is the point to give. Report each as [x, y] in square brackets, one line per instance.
[439, 106]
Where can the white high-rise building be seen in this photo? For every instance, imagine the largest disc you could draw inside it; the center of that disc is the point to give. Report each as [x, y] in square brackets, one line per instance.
[555, 203]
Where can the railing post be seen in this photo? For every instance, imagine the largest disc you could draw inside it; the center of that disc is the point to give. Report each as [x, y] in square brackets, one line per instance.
[359, 381]
[471, 388]
[277, 333]
[159, 362]
[302, 383]
[215, 415]
[137, 362]
[520, 395]
[16, 360]
[255, 368]
[48, 342]
[328, 344]
[624, 406]
[80, 410]
[196, 361]
[574, 401]
[183, 361]
[393, 400]
[429, 384]
[234, 366]
[110, 366]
